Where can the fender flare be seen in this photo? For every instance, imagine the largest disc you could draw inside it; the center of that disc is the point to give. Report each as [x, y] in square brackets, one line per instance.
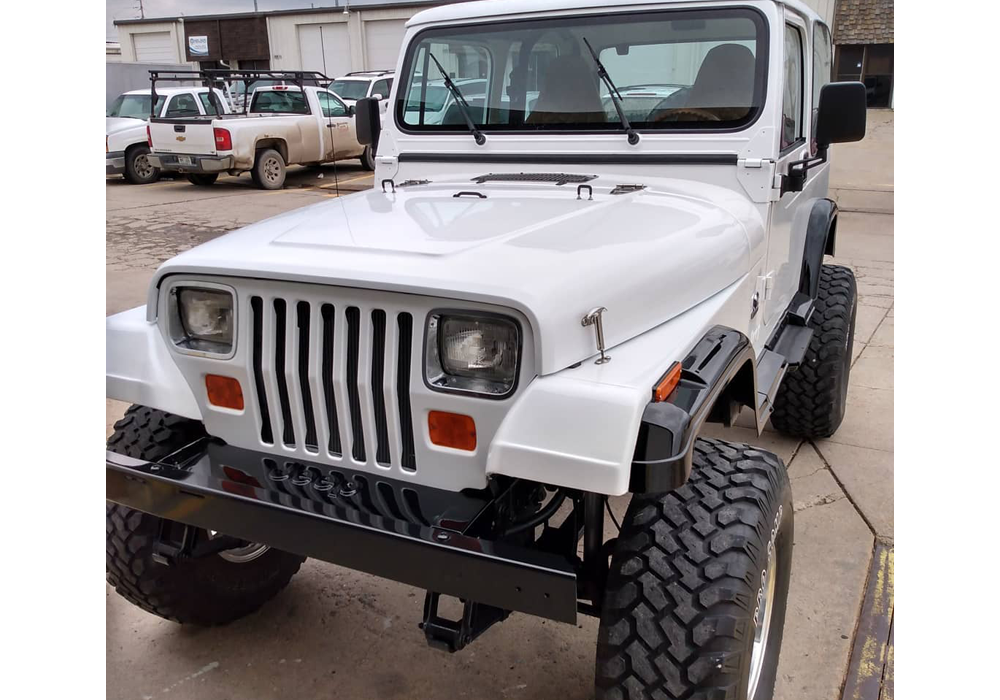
[821, 239]
[717, 376]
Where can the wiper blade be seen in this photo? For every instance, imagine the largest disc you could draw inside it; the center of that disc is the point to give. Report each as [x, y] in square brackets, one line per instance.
[463, 106]
[633, 135]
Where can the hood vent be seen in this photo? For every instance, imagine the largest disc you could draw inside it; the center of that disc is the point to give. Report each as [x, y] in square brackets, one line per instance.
[557, 178]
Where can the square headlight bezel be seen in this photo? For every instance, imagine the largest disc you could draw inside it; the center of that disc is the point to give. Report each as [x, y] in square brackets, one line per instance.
[431, 353]
[175, 327]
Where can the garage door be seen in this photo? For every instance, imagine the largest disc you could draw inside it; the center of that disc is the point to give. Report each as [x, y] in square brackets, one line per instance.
[325, 48]
[383, 40]
[154, 47]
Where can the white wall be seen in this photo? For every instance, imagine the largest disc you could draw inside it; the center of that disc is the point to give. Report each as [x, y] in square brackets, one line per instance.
[127, 33]
[824, 8]
[363, 27]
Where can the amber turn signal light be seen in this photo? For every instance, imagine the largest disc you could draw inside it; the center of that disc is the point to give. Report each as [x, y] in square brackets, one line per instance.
[452, 430]
[667, 383]
[224, 391]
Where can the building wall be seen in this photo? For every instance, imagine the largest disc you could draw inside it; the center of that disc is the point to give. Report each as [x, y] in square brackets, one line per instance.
[128, 32]
[285, 37]
[824, 8]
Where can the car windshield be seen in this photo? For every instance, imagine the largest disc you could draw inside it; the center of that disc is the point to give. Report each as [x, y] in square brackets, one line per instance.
[701, 69]
[279, 101]
[134, 106]
[350, 89]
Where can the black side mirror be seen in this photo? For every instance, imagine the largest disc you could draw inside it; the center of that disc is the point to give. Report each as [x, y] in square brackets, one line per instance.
[842, 114]
[369, 124]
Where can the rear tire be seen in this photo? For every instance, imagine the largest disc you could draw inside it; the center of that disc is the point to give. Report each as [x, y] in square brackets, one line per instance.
[268, 170]
[209, 590]
[201, 179]
[138, 171]
[812, 400]
[368, 159]
[698, 581]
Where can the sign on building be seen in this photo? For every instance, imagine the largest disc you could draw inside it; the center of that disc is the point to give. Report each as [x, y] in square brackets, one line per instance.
[198, 45]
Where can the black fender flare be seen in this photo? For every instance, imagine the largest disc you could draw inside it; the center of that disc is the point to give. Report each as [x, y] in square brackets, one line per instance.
[717, 375]
[821, 239]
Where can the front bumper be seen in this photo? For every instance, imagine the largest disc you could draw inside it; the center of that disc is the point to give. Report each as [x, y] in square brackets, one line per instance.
[420, 536]
[191, 163]
[115, 163]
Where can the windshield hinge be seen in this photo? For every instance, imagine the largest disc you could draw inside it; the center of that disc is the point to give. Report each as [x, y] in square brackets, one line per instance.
[753, 162]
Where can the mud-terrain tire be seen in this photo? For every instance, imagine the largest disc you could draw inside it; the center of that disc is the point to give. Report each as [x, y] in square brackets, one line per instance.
[138, 171]
[268, 170]
[202, 179]
[812, 400]
[687, 575]
[367, 159]
[209, 590]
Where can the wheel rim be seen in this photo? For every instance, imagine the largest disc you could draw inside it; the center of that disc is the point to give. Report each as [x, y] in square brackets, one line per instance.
[761, 634]
[142, 167]
[241, 555]
[272, 170]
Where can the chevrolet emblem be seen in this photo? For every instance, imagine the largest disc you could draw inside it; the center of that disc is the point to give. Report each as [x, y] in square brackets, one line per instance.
[182, 138]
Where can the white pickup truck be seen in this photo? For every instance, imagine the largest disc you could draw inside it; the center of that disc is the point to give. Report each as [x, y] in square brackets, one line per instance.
[126, 145]
[284, 125]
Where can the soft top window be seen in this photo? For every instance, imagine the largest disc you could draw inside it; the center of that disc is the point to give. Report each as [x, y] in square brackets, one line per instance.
[672, 69]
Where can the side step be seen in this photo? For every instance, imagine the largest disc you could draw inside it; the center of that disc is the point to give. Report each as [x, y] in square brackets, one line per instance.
[771, 368]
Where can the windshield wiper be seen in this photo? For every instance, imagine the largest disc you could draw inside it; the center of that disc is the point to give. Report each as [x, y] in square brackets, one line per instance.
[463, 106]
[633, 135]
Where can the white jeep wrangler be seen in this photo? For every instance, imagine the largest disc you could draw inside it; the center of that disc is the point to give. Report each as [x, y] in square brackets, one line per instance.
[548, 293]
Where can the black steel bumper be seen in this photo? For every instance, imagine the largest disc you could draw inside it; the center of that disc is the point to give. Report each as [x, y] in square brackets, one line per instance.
[190, 164]
[415, 535]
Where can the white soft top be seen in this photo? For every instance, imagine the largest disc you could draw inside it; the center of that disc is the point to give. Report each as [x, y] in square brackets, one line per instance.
[481, 9]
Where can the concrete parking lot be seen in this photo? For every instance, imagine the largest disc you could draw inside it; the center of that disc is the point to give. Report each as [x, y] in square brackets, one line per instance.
[336, 633]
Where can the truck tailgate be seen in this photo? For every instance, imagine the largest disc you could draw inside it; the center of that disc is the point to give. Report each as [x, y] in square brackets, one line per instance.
[195, 136]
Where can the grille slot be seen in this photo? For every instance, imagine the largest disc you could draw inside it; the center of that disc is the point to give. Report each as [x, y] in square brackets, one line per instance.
[303, 311]
[332, 379]
[408, 458]
[329, 322]
[257, 312]
[280, 324]
[378, 395]
[353, 395]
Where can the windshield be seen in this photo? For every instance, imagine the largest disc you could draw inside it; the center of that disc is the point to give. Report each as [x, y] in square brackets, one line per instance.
[350, 89]
[700, 69]
[279, 101]
[134, 106]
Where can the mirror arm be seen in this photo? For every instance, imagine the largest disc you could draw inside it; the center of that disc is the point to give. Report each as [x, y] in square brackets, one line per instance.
[798, 171]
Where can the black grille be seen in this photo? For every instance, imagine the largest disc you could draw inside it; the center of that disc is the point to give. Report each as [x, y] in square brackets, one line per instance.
[256, 307]
[330, 398]
[353, 397]
[288, 432]
[378, 395]
[303, 309]
[407, 459]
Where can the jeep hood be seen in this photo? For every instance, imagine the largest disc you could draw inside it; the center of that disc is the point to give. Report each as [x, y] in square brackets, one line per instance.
[646, 256]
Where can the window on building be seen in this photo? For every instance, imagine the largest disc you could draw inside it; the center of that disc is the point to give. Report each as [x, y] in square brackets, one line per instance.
[791, 105]
[182, 105]
[872, 64]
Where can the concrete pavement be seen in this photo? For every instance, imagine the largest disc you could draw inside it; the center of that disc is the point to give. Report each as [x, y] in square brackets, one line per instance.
[339, 633]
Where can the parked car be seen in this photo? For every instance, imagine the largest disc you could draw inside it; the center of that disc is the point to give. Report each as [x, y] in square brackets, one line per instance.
[442, 380]
[126, 145]
[355, 86]
[284, 125]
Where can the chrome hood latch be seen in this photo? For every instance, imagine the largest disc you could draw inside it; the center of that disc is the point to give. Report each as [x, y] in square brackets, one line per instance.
[595, 318]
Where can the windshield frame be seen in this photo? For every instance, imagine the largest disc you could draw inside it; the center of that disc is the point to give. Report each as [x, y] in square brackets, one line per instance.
[761, 72]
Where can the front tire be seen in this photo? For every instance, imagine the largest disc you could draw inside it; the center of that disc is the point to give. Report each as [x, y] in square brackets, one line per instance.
[202, 179]
[368, 159]
[209, 590]
[268, 170]
[138, 170]
[698, 587]
[812, 400]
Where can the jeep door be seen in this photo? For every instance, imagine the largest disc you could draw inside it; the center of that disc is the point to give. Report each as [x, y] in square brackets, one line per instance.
[790, 214]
